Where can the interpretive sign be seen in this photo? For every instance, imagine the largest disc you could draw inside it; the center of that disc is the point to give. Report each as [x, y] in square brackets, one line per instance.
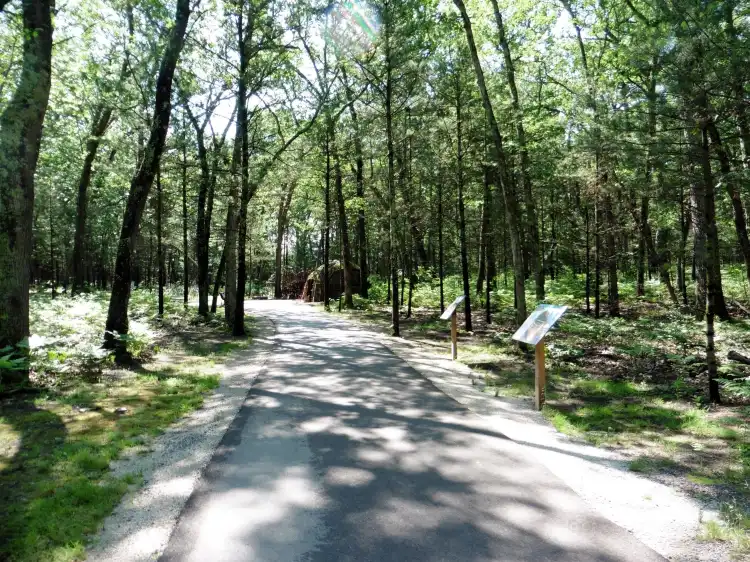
[539, 323]
[532, 331]
[450, 312]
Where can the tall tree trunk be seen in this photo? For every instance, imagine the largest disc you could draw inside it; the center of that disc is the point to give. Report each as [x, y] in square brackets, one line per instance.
[645, 239]
[532, 226]
[99, 126]
[713, 265]
[117, 314]
[614, 293]
[489, 256]
[185, 262]
[346, 250]
[734, 193]
[101, 121]
[597, 258]
[327, 228]
[159, 245]
[715, 296]
[441, 250]
[230, 248]
[387, 27]
[588, 264]
[461, 211]
[684, 231]
[359, 181]
[509, 196]
[642, 223]
[281, 223]
[238, 322]
[20, 137]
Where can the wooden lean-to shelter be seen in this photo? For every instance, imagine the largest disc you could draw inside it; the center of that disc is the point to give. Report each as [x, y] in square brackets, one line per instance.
[313, 291]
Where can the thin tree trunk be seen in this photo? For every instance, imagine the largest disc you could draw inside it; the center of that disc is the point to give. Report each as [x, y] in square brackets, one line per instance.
[614, 294]
[588, 265]
[185, 262]
[346, 250]
[391, 176]
[327, 228]
[117, 314]
[461, 211]
[359, 181]
[159, 244]
[734, 193]
[217, 282]
[284, 204]
[99, 125]
[441, 251]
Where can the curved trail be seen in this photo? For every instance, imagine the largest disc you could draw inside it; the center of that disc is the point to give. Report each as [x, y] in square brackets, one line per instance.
[342, 451]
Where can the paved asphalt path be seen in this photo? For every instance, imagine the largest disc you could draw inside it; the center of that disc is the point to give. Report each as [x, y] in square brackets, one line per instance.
[342, 452]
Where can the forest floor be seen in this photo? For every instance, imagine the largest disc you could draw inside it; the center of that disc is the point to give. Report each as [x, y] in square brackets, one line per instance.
[634, 384]
[58, 439]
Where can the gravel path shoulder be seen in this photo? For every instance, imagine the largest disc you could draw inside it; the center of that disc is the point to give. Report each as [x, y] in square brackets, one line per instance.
[140, 527]
[656, 514]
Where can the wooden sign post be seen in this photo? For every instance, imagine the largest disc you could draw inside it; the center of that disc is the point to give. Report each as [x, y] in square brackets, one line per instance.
[451, 313]
[532, 332]
[540, 375]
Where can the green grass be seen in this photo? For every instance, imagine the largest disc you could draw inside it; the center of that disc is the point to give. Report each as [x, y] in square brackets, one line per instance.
[56, 445]
[57, 489]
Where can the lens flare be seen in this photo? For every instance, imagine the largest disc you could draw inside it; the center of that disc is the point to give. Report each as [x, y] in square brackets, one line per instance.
[352, 25]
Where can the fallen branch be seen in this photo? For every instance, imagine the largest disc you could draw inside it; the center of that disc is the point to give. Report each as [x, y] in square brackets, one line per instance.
[742, 308]
[736, 356]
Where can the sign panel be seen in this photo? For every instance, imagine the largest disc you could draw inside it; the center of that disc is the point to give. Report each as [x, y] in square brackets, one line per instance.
[539, 323]
[452, 308]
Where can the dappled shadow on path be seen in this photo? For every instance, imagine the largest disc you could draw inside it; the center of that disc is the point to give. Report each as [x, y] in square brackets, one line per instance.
[343, 452]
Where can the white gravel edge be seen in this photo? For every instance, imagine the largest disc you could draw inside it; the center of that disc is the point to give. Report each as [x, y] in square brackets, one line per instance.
[659, 516]
[139, 529]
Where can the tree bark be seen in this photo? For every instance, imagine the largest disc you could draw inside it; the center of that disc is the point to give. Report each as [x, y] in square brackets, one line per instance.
[117, 314]
[713, 265]
[395, 328]
[509, 196]
[20, 137]
[185, 262]
[230, 248]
